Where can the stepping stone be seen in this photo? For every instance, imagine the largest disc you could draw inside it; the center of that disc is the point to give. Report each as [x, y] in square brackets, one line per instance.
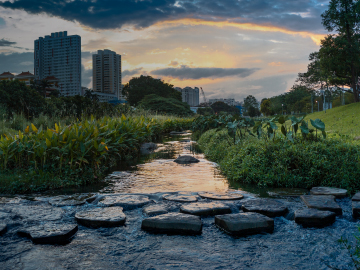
[322, 202]
[180, 198]
[356, 209]
[147, 148]
[243, 224]
[186, 160]
[3, 228]
[314, 218]
[155, 209]
[337, 192]
[205, 209]
[50, 233]
[128, 202]
[173, 223]
[356, 197]
[220, 196]
[67, 201]
[43, 212]
[101, 217]
[267, 207]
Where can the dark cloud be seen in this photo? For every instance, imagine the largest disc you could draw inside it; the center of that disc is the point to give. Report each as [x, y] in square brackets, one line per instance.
[185, 72]
[6, 43]
[131, 72]
[17, 62]
[173, 63]
[109, 14]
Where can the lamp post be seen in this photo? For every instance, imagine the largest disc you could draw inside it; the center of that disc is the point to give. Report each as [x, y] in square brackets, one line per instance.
[317, 104]
[282, 109]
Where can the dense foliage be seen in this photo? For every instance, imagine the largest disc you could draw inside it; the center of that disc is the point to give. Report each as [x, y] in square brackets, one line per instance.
[163, 105]
[139, 87]
[220, 106]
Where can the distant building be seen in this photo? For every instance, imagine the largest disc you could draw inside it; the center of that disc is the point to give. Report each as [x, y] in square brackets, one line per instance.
[6, 76]
[25, 77]
[59, 55]
[228, 101]
[107, 75]
[189, 95]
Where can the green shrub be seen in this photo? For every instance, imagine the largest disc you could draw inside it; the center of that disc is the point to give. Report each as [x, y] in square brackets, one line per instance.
[302, 164]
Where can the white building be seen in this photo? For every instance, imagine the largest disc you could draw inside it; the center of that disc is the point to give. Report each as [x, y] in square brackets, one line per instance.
[189, 95]
[59, 55]
[107, 75]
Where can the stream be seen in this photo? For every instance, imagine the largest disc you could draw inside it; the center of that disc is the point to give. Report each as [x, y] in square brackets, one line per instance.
[290, 246]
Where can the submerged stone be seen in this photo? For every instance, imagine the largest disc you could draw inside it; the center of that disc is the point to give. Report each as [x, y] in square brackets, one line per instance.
[205, 209]
[3, 228]
[314, 218]
[186, 160]
[220, 196]
[43, 212]
[64, 200]
[50, 233]
[356, 197]
[155, 210]
[101, 217]
[322, 202]
[243, 224]
[267, 207]
[181, 198]
[173, 223]
[337, 192]
[147, 148]
[356, 209]
[128, 202]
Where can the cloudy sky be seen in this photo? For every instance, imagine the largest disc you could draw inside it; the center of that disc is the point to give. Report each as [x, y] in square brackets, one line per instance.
[230, 48]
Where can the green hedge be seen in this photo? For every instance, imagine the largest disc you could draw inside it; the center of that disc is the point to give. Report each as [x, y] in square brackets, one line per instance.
[303, 164]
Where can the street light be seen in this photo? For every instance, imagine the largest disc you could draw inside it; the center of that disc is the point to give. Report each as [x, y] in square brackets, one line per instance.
[282, 109]
[317, 104]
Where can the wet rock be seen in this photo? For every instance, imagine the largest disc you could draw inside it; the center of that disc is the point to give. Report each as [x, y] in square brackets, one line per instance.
[65, 200]
[287, 192]
[356, 197]
[314, 218]
[3, 228]
[128, 202]
[205, 209]
[50, 233]
[186, 160]
[243, 224]
[101, 217]
[220, 196]
[356, 209]
[180, 198]
[155, 209]
[173, 223]
[267, 207]
[322, 202]
[177, 132]
[43, 212]
[337, 192]
[147, 148]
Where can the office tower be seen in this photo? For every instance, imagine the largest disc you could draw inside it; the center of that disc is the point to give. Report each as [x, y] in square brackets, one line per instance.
[107, 74]
[59, 55]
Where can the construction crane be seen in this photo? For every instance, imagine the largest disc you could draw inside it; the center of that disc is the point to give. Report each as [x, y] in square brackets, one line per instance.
[203, 95]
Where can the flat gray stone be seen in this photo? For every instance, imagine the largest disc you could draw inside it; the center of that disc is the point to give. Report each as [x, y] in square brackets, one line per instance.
[50, 233]
[180, 198]
[173, 223]
[337, 192]
[101, 217]
[322, 202]
[128, 202]
[147, 148]
[356, 197]
[205, 209]
[356, 209]
[40, 212]
[155, 209]
[65, 200]
[314, 218]
[243, 224]
[220, 196]
[3, 228]
[267, 207]
[186, 160]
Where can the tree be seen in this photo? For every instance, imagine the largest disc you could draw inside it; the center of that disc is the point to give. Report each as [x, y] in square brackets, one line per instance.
[220, 106]
[139, 87]
[266, 107]
[343, 17]
[250, 101]
[252, 111]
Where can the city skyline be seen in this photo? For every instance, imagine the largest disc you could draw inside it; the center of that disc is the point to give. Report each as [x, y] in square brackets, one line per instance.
[229, 55]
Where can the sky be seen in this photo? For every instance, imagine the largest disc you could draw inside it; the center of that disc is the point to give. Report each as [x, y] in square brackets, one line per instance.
[230, 48]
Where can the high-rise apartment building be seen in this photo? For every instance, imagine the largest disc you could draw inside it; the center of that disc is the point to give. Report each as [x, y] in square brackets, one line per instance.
[59, 55]
[189, 95]
[107, 74]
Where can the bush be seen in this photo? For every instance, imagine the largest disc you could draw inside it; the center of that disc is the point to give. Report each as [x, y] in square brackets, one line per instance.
[165, 105]
[302, 164]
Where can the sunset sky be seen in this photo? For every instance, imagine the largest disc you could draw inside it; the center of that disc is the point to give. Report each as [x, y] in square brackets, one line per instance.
[230, 48]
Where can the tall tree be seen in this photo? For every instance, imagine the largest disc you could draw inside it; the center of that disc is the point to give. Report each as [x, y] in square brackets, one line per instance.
[343, 17]
[265, 107]
[250, 101]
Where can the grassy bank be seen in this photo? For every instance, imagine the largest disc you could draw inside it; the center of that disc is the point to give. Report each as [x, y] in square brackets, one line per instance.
[39, 158]
[303, 164]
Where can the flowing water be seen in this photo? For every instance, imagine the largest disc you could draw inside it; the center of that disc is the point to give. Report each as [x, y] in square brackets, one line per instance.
[290, 246]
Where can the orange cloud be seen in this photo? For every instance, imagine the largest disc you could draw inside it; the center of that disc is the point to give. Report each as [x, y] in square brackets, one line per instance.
[275, 64]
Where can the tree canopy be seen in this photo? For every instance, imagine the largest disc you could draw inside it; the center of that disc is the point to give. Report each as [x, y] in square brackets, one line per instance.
[220, 106]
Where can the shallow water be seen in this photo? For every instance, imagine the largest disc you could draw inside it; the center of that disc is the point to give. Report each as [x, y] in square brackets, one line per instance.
[290, 246]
